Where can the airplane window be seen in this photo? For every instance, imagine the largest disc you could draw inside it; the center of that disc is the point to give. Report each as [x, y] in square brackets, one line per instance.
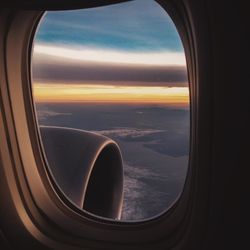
[111, 94]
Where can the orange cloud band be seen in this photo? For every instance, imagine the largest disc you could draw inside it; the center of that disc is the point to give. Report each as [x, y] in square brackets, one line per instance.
[58, 93]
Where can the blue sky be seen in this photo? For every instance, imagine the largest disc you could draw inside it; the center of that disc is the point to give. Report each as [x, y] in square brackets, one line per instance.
[140, 25]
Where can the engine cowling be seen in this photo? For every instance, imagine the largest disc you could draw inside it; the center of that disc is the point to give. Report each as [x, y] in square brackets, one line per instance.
[87, 167]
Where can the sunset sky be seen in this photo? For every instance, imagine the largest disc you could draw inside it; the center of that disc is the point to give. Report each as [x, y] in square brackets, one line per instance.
[131, 56]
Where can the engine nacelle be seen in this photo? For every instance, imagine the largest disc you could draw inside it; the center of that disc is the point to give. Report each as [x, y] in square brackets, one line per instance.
[87, 167]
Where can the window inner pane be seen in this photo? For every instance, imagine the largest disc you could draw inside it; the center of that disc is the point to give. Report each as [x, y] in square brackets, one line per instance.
[118, 71]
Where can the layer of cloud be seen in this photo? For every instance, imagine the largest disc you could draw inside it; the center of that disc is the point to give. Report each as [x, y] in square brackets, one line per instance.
[88, 54]
[128, 132]
[46, 114]
[141, 199]
[49, 67]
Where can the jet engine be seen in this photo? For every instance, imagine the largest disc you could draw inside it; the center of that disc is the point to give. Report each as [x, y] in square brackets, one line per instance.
[87, 168]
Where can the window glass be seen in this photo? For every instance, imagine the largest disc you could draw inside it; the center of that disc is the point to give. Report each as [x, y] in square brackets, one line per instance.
[118, 71]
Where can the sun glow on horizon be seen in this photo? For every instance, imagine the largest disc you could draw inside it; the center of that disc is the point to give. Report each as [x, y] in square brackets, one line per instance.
[87, 93]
